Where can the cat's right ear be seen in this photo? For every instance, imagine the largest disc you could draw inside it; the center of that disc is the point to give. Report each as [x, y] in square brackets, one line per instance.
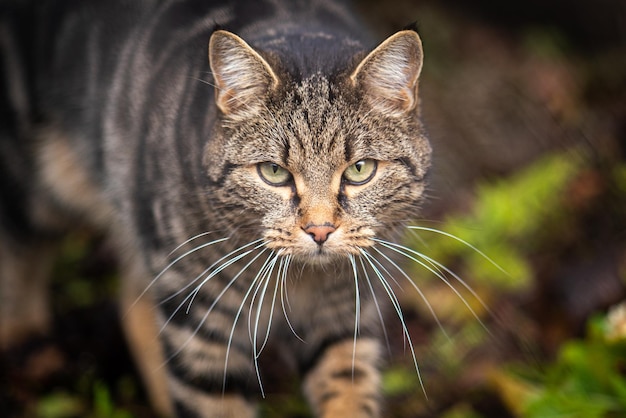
[242, 77]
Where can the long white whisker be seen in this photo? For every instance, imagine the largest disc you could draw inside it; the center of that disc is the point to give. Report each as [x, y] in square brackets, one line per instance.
[219, 296]
[177, 259]
[398, 309]
[414, 285]
[357, 307]
[273, 305]
[465, 285]
[380, 315]
[439, 266]
[241, 306]
[256, 351]
[191, 296]
[199, 276]
[406, 252]
[377, 269]
[189, 240]
[203, 81]
[462, 241]
[221, 268]
[285, 296]
[263, 284]
[158, 276]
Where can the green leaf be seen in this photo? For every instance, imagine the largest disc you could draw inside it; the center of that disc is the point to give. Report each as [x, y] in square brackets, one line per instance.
[60, 405]
[399, 380]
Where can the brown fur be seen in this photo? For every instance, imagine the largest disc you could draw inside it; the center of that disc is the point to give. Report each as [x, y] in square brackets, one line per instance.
[215, 256]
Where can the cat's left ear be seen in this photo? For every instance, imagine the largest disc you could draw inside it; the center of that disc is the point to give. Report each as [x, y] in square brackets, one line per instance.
[242, 77]
[389, 74]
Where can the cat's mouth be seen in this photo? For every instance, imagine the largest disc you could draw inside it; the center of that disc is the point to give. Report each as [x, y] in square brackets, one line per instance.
[336, 246]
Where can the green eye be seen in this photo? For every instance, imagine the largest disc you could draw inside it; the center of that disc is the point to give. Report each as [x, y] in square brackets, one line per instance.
[273, 174]
[360, 172]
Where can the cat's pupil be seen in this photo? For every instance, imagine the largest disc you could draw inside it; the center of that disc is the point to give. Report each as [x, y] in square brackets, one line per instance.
[359, 165]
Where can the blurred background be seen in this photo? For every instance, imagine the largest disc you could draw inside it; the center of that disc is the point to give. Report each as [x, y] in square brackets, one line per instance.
[525, 102]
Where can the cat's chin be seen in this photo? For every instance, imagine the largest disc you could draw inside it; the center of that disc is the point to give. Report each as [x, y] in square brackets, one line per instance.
[321, 258]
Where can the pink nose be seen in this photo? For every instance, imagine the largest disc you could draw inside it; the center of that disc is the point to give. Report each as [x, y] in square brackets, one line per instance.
[319, 233]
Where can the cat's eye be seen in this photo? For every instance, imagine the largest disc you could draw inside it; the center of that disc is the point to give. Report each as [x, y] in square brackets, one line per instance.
[273, 174]
[360, 172]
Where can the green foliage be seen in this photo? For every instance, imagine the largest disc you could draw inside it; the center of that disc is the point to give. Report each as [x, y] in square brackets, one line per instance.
[74, 287]
[400, 381]
[103, 405]
[619, 176]
[510, 219]
[285, 405]
[59, 405]
[587, 379]
[63, 404]
[461, 411]
[546, 42]
[89, 398]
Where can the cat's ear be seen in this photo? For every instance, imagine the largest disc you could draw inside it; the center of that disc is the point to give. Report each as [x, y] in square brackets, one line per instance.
[242, 77]
[389, 74]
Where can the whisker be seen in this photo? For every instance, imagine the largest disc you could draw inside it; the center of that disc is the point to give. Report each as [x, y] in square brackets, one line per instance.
[462, 241]
[281, 266]
[158, 276]
[264, 284]
[418, 237]
[189, 240]
[203, 81]
[219, 296]
[256, 351]
[465, 285]
[284, 295]
[414, 285]
[378, 311]
[357, 309]
[238, 314]
[216, 271]
[193, 294]
[439, 266]
[377, 270]
[398, 309]
[406, 252]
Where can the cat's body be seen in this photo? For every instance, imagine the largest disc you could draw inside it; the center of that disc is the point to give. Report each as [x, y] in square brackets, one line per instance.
[270, 188]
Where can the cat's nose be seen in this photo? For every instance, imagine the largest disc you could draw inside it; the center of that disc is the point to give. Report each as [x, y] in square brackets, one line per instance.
[319, 233]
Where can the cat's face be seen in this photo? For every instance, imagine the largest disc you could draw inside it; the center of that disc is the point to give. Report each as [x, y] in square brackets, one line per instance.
[318, 168]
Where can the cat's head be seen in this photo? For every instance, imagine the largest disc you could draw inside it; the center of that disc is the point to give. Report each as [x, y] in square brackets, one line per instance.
[321, 165]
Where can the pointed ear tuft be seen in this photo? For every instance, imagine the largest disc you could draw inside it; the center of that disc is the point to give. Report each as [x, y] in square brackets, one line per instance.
[242, 77]
[389, 74]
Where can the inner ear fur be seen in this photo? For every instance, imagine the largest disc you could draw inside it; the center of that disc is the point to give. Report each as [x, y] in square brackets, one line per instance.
[389, 74]
[242, 76]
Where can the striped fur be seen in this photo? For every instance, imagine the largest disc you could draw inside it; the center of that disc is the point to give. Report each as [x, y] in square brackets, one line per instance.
[113, 116]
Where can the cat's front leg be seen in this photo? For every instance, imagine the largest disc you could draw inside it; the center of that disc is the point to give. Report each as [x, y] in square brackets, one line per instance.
[197, 387]
[345, 382]
[208, 362]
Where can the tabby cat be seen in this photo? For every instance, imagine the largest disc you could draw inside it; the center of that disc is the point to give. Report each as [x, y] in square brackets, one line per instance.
[253, 195]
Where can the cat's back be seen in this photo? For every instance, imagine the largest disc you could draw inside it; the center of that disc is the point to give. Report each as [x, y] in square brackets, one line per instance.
[115, 78]
[76, 56]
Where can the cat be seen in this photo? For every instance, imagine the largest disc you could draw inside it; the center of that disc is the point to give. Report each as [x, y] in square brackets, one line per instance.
[252, 162]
